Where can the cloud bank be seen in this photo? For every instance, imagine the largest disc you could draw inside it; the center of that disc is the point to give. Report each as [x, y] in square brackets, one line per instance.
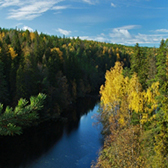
[28, 10]
[123, 35]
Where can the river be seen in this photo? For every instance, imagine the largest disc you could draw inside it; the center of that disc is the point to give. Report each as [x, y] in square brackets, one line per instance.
[74, 144]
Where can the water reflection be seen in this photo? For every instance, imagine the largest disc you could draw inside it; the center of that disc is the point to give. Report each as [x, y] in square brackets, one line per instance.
[53, 143]
[19, 151]
[74, 113]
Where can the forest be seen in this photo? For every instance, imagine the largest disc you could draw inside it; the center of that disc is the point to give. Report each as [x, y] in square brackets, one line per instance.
[41, 75]
[59, 69]
[134, 111]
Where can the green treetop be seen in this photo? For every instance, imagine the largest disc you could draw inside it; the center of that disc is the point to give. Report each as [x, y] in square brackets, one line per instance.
[12, 120]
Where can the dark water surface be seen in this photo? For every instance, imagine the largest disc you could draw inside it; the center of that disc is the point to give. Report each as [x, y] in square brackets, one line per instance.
[74, 144]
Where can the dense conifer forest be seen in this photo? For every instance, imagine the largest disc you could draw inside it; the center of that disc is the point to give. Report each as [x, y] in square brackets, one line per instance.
[41, 75]
[62, 69]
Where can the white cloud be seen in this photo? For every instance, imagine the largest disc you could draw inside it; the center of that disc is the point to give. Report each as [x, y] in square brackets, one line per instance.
[120, 33]
[143, 39]
[27, 28]
[102, 34]
[59, 7]
[28, 10]
[146, 39]
[162, 30]
[87, 1]
[99, 38]
[113, 5]
[18, 24]
[91, 2]
[8, 3]
[64, 32]
[85, 38]
[129, 27]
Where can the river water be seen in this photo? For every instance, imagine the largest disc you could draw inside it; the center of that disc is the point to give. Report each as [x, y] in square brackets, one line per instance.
[74, 144]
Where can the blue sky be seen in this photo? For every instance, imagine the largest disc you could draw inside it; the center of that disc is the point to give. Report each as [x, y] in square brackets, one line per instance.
[114, 21]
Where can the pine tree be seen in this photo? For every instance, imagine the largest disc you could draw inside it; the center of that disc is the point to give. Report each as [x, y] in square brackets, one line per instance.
[151, 62]
[139, 64]
[162, 59]
[4, 93]
[12, 120]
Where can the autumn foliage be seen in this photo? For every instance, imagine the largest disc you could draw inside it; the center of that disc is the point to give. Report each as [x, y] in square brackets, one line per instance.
[130, 119]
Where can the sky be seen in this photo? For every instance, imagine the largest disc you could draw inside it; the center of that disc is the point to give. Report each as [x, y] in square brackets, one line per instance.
[124, 22]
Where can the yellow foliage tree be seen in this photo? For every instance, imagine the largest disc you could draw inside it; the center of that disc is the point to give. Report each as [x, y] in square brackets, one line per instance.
[118, 56]
[2, 35]
[26, 50]
[120, 98]
[32, 36]
[60, 53]
[113, 94]
[12, 52]
[104, 49]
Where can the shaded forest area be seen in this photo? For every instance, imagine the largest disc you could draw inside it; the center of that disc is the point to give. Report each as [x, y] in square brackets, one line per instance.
[63, 69]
